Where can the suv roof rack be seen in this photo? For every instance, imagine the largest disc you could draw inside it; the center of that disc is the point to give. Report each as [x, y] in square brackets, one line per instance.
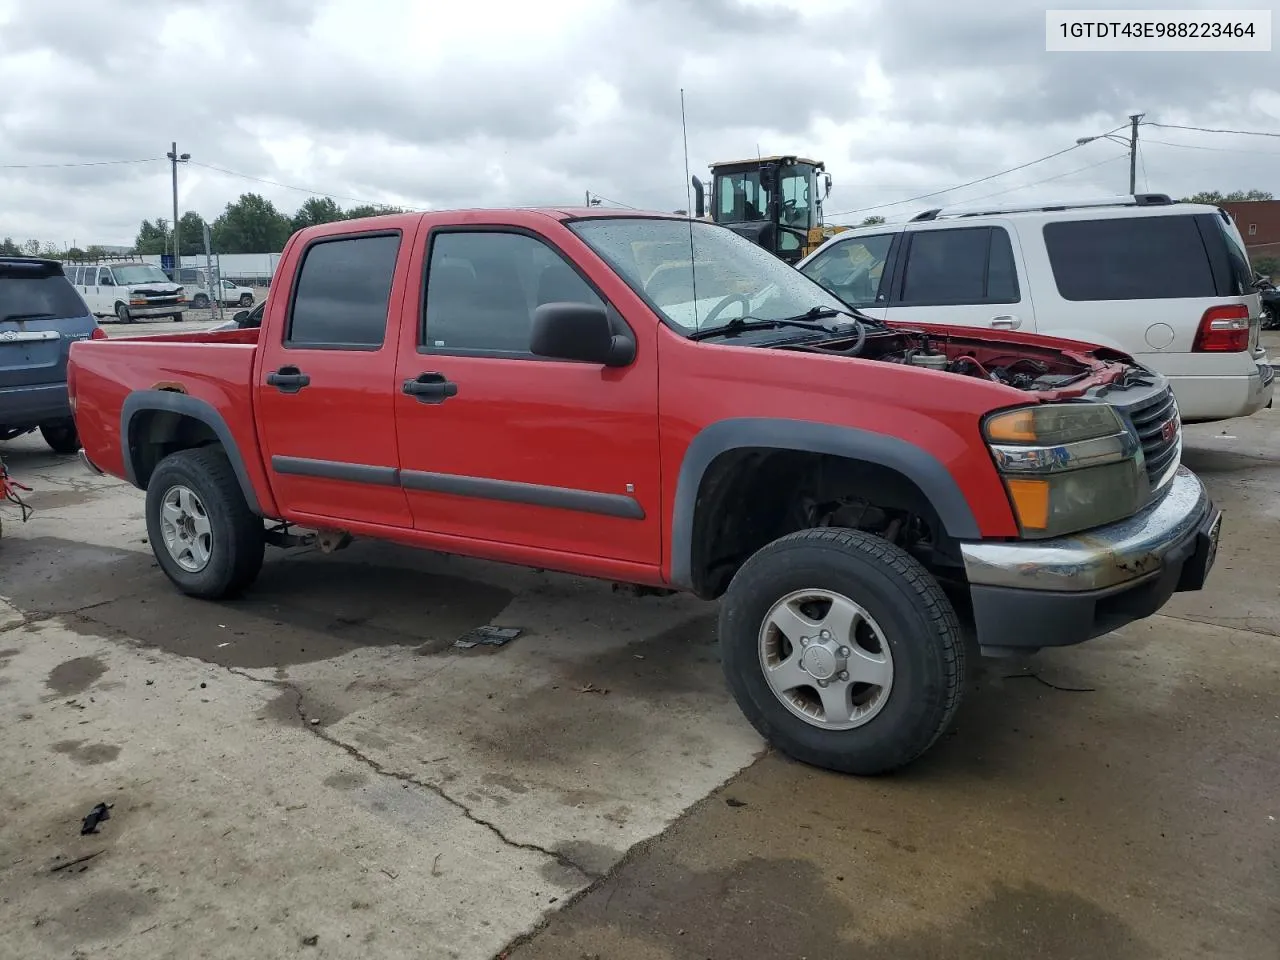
[1124, 200]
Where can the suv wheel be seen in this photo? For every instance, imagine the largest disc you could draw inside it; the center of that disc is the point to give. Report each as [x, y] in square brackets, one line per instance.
[842, 650]
[61, 436]
[246, 300]
[203, 534]
[122, 313]
[200, 301]
[1269, 319]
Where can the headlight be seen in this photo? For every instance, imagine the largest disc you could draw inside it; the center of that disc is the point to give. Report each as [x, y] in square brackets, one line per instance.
[1066, 466]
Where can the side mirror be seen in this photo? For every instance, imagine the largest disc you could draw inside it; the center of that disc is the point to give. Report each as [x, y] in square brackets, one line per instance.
[579, 331]
[240, 316]
[699, 199]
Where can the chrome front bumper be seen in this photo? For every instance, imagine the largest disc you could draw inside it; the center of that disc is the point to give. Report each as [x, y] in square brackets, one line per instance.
[1127, 551]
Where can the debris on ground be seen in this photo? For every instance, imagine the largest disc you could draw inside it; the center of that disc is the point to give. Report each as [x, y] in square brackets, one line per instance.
[311, 941]
[734, 802]
[99, 813]
[592, 688]
[77, 861]
[487, 636]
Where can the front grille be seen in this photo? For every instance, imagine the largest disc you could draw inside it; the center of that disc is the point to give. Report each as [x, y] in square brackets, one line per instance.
[162, 301]
[1160, 446]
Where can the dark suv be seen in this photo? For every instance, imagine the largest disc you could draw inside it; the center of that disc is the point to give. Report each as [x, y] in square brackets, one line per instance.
[40, 315]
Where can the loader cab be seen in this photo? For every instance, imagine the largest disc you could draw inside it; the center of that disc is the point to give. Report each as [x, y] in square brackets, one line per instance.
[773, 201]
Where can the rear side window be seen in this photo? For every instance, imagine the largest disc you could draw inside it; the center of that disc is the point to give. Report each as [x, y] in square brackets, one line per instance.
[1131, 258]
[342, 292]
[959, 266]
[33, 292]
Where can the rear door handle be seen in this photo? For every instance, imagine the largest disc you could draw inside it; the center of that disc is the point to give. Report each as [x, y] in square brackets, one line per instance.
[288, 379]
[1006, 322]
[430, 388]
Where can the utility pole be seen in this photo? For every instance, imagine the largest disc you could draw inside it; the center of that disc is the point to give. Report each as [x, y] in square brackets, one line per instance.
[174, 159]
[1133, 151]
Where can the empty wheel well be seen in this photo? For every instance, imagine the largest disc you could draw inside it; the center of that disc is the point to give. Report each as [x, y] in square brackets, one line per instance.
[749, 497]
[154, 434]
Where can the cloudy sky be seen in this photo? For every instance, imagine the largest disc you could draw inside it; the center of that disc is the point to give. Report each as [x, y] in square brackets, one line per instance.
[507, 102]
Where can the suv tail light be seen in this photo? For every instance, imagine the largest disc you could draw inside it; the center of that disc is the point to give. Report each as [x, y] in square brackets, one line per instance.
[1223, 330]
[98, 334]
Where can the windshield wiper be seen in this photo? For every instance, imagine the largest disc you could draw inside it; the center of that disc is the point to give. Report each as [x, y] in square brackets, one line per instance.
[809, 320]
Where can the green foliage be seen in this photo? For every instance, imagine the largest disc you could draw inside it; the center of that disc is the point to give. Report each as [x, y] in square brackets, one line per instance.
[872, 222]
[153, 237]
[1267, 267]
[1217, 199]
[317, 210]
[371, 210]
[9, 249]
[251, 224]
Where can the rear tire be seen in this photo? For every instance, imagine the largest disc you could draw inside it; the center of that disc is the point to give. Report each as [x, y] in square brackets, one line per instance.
[905, 644]
[246, 300]
[203, 534]
[1269, 318]
[61, 436]
[200, 302]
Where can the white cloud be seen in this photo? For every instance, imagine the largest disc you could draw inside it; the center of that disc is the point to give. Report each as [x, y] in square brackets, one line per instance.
[439, 105]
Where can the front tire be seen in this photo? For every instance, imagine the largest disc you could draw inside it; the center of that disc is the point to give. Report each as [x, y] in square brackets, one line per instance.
[1269, 319]
[203, 534]
[122, 313]
[61, 436]
[842, 650]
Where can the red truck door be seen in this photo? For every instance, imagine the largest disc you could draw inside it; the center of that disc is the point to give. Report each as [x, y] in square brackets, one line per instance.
[326, 378]
[499, 445]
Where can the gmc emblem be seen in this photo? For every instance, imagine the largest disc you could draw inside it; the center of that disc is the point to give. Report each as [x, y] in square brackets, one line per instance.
[1169, 430]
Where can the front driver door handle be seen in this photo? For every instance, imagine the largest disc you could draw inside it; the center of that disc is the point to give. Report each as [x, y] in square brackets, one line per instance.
[1006, 322]
[288, 379]
[430, 388]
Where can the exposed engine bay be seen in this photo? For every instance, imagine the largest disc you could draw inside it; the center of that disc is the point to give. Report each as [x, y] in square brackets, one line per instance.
[1023, 366]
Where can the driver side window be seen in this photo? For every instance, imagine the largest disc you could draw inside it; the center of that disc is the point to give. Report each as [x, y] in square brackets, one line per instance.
[853, 269]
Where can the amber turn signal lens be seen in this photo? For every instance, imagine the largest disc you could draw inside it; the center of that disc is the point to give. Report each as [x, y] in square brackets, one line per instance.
[1031, 502]
[1016, 426]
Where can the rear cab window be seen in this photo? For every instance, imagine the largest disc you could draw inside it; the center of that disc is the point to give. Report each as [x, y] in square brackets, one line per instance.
[342, 293]
[36, 291]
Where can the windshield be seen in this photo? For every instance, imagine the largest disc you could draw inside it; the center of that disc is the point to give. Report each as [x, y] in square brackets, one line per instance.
[730, 277]
[138, 273]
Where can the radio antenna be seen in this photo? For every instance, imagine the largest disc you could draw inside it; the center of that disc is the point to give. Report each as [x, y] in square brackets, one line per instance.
[688, 201]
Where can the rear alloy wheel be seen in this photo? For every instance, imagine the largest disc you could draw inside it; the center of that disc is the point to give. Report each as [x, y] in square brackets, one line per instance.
[246, 300]
[842, 650]
[203, 534]
[122, 313]
[200, 302]
[1269, 319]
[61, 436]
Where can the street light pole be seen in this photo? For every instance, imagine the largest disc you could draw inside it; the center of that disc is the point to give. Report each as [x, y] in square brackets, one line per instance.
[174, 159]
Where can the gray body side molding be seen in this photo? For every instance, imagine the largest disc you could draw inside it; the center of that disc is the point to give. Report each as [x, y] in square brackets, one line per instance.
[169, 401]
[928, 473]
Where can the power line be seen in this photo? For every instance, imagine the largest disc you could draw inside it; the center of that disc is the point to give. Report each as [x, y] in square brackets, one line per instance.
[616, 203]
[88, 163]
[936, 193]
[1036, 183]
[1242, 133]
[287, 186]
[1193, 146]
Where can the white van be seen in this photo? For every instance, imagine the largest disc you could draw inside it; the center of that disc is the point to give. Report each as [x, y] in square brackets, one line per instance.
[1168, 283]
[128, 290]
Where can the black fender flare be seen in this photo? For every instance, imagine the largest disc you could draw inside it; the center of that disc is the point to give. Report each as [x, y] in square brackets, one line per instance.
[170, 401]
[921, 467]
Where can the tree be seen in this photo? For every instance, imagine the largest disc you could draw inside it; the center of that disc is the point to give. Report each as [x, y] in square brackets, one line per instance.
[153, 237]
[190, 234]
[872, 222]
[31, 248]
[251, 224]
[372, 210]
[9, 249]
[1235, 196]
[317, 210]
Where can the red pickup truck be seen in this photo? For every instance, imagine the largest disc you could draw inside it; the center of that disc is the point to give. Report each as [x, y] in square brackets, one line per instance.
[656, 401]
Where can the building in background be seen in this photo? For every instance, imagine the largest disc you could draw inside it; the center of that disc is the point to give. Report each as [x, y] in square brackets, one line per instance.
[1259, 224]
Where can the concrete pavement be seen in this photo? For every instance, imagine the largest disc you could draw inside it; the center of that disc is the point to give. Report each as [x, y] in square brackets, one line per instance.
[317, 770]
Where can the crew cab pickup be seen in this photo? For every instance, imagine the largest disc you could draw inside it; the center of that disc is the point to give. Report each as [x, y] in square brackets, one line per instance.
[659, 402]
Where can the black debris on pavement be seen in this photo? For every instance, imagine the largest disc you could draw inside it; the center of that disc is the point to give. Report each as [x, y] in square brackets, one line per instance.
[487, 636]
[99, 813]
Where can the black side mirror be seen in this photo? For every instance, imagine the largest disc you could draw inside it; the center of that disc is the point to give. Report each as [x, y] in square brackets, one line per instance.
[579, 331]
[240, 316]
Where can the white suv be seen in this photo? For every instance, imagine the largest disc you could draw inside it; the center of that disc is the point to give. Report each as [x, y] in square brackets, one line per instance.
[1168, 283]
